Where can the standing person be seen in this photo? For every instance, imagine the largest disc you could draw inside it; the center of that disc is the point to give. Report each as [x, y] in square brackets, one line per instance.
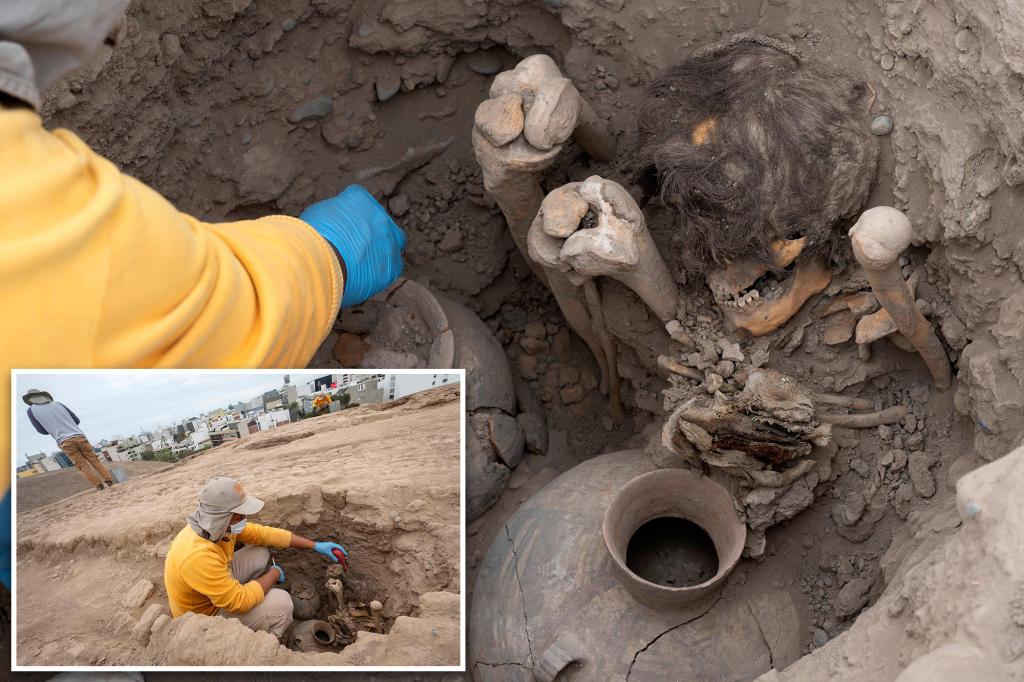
[57, 420]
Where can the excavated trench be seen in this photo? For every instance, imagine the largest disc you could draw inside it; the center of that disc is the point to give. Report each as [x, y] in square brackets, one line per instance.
[410, 144]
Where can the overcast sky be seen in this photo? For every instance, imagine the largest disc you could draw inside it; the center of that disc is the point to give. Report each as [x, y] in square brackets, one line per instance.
[122, 404]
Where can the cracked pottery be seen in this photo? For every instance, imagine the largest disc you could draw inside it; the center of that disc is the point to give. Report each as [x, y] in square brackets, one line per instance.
[547, 598]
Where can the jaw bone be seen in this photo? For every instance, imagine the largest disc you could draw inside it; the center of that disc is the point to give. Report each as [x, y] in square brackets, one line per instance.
[760, 312]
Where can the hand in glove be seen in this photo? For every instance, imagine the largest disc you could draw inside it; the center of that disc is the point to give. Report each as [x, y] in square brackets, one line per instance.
[367, 239]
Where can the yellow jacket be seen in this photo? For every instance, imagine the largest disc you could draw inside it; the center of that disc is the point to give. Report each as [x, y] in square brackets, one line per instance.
[197, 572]
[98, 270]
[321, 400]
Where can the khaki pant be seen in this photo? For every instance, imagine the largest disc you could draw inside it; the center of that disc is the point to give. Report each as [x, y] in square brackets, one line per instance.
[85, 460]
[274, 613]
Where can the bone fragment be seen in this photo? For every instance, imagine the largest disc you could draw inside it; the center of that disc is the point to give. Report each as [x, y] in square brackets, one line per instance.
[593, 298]
[889, 415]
[618, 246]
[375, 609]
[878, 238]
[511, 172]
[679, 368]
[842, 401]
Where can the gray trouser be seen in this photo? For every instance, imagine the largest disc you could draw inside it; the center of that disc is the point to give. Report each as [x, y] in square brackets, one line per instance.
[274, 613]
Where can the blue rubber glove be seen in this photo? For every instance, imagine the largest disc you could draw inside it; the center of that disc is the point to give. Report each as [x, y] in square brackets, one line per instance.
[327, 549]
[368, 240]
[280, 578]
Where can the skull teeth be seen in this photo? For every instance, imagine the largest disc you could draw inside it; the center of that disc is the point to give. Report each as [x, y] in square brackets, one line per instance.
[750, 298]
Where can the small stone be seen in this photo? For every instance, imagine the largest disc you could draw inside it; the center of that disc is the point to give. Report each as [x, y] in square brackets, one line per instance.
[819, 637]
[158, 624]
[288, 25]
[852, 509]
[909, 422]
[887, 62]
[885, 432]
[533, 346]
[713, 383]
[170, 48]
[920, 473]
[730, 351]
[387, 86]
[881, 125]
[611, 82]
[315, 108]
[572, 394]
[452, 240]
[138, 594]
[527, 366]
[569, 375]
[887, 458]
[852, 598]
[399, 205]
[484, 62]
[535, 431]
[247, 137]
[726, 368]
[140, 632]
[860, 466]
[535, 329]
[506, 438]
[915, 441]
[588, 380]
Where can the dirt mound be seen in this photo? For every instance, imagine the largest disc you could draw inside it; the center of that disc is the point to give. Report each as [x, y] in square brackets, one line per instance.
[385, 485]
[43, 489]
[274, 441]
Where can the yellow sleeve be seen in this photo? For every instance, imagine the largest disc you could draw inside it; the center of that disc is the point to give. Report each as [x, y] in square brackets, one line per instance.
[99, 270]
[265, 536]
[206, 573]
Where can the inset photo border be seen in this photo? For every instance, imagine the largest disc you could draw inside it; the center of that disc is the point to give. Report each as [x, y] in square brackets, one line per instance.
[238, 520]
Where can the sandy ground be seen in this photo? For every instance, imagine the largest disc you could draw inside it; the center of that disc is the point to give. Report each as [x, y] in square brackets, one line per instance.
[383, 482]
[43, 489]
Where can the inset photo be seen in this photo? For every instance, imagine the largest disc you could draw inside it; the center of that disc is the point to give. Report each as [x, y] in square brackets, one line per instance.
[238, 519]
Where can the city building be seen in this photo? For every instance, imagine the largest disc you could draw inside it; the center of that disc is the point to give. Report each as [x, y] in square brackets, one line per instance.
[270, 420]
[401, 385]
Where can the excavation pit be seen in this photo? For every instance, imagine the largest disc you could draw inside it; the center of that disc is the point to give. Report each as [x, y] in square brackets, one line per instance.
[672, 552]
[673, 536]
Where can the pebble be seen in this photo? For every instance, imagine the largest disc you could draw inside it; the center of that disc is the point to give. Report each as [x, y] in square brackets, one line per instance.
[569, 375]
[533, 346]
[318, 107]
[881, 125]
[527, 366]
[860, 466]
[399, 204]
[819, 636]
[726, 368]
[387, 86]
[885, 432]
[920, 473]
[288, 25]
[246, 137]
[485, 63]
[887, 61]
[714, 383]
[730, 351]
[572, 394]
[452, 240]
[535, 329]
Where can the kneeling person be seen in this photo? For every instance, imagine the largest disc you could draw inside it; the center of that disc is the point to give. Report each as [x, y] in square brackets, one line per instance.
[204, 573]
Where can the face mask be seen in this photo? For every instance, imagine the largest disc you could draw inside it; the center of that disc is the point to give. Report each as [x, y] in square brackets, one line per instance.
[237, 527]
